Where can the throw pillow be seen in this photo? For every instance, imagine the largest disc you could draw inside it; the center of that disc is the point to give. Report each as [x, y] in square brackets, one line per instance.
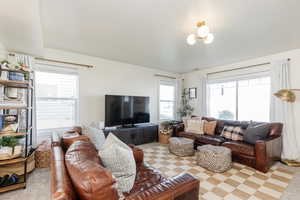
[118, 158]
[232, 133]
[96, 136]
[237, 134]
[209, 127]
[256, 132]
[185, 119]
[227, 132]
[194, 126]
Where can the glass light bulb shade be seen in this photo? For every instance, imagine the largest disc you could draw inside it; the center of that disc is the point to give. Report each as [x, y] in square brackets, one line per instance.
[209, 39]
[191, 39]
[203, 31]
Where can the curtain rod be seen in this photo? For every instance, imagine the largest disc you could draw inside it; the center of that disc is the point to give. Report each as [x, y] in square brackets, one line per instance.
[164, 76]
[249, 66]
[58, 61]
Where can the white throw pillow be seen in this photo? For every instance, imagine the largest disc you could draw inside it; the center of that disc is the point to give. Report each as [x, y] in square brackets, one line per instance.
[195, 126]
[96, 136]
[97, 124]
[118, 158]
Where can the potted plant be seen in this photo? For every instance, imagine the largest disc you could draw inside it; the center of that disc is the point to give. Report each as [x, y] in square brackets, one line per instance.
[165, 132]
[9, 142]
[185, 109]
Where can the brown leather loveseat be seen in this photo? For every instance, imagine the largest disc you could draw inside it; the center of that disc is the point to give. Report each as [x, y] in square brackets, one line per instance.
[78, 174]
[259, 156]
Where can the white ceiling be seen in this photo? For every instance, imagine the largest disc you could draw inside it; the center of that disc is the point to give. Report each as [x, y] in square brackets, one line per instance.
[152, 33]
[20, 26]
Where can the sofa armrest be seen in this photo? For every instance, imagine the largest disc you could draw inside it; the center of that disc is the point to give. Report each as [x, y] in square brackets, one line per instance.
[138, 155]
[178, 128]
[61, 185]
[267, 151]
[182, 187]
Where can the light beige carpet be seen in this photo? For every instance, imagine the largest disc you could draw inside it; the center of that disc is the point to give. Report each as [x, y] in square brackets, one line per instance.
[239, 183]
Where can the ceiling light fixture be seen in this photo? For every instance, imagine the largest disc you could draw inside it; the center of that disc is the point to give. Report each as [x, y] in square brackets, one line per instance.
[203, 33]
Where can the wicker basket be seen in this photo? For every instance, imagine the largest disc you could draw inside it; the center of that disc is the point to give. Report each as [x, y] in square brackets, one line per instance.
[18, 168]
[42, 155]
[164, 139]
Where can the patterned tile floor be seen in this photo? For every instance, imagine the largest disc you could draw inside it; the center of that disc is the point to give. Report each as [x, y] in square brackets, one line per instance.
[238, 183]
[39, 181]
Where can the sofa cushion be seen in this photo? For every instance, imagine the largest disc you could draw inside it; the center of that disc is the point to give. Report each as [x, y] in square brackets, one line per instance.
[69, 138]
[145, 178]
[211, 139]
[192, 136]
[256, 132]
[90, 179]
[209, 128]
[240, 147]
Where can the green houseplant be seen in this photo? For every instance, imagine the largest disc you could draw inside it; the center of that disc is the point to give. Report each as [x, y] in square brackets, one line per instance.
[185, 109]
[9, 142]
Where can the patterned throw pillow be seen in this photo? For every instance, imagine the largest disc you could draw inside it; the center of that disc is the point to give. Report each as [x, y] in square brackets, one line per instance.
[233, 133]
[227, 132]
[118, 158]
[194, 126]
[237, 134]
[209, 127]
[96, 135]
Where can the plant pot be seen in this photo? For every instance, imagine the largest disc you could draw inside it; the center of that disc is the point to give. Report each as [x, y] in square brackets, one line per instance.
[164, 139]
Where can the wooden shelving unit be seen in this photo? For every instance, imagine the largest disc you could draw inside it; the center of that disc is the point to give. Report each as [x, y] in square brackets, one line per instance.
[13, 187]
[27, 85]
[12, 134]
[2, 107]
[12, 161]
[17, 84]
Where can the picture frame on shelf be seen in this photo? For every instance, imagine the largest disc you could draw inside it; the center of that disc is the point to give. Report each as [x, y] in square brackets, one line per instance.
[193, 93]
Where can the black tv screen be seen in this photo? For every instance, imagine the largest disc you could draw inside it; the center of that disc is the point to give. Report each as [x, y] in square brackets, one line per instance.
[124, 110]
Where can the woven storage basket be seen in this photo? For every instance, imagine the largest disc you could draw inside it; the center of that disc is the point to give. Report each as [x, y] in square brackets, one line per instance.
[42, 155]
[18, 168]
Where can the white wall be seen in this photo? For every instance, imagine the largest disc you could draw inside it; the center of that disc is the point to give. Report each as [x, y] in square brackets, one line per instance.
[192, 79]
[108, 77]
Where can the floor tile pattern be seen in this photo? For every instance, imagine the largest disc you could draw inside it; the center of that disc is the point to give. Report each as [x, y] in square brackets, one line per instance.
[238, 183]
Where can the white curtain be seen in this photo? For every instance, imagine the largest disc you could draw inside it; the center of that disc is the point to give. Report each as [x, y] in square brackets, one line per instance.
[203, 96]
[282, 111]
[179, 89]
[30, 62]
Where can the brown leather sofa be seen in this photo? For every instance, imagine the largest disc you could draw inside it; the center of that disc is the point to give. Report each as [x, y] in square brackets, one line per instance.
[259, 156]
[78, 174]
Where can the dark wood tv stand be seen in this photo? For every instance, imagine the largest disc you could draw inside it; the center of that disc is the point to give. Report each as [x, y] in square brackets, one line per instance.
[137, 135]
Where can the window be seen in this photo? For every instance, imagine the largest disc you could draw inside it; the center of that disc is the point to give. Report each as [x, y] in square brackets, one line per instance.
[240, 99]
[166, 100]
[56, 100]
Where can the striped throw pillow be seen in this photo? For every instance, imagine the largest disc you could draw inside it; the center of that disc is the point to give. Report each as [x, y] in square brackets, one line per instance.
[232, 133]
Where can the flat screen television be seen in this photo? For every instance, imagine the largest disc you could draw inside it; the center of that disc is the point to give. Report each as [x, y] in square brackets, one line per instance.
[126, 110]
